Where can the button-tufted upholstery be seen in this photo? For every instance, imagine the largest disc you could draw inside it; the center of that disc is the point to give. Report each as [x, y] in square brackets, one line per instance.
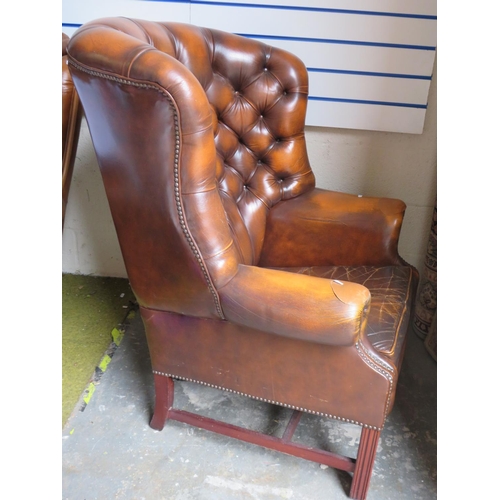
[249, 278]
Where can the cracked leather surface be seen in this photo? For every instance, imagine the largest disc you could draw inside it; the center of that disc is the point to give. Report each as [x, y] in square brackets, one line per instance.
[390, 289]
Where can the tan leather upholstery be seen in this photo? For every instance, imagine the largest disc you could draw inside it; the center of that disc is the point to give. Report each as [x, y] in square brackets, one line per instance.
[71, 121]
[249, 277]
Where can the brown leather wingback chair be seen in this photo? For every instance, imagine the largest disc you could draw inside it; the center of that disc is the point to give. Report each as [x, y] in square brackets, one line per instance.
[249, 278]
[71, 121]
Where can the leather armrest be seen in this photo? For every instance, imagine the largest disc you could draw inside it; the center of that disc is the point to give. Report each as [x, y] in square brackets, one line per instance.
[327, 228]
[297, 306]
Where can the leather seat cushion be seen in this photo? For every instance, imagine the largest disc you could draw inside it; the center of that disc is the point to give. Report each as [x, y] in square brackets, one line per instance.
[390, 288]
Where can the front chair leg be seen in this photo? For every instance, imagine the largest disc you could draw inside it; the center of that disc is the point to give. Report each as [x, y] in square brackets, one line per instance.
[364, 463]
[164, 400]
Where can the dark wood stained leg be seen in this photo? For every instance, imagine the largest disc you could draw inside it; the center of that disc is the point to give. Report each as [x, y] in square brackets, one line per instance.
[292, 425]
[297, 450]
[361, 468]
[164, 400]
[364, 463]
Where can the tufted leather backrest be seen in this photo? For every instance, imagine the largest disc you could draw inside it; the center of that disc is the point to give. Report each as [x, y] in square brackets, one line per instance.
[245, 151]
[258, 96]
[259, 100]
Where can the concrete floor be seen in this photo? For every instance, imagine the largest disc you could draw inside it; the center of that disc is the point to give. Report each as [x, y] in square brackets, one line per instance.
[110, 452]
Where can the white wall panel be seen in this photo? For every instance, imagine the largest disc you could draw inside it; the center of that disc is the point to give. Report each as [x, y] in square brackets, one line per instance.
[419, 7]
[369, 60]
[366, 58]
[372, 69]
[312, 24]
[77, 12]
[369, 88]
[372, 117]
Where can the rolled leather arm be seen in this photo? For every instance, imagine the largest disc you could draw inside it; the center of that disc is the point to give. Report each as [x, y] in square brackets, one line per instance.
[297, 306]
[327, 228]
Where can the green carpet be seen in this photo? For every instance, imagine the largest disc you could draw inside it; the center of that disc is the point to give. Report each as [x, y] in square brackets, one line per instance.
[92, 307]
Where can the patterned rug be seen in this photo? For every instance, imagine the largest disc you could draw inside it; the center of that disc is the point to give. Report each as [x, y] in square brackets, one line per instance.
[425, 315]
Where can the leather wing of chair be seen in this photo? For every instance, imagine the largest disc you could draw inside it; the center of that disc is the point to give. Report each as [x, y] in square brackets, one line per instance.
[71, 121]
[249, 278]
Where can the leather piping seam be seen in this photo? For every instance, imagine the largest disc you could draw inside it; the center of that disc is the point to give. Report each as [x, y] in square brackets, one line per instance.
[385, 374]
[379, 361]
[180, 210]
[142, 28]
[278, 403]
[221, 252]
[231, 227]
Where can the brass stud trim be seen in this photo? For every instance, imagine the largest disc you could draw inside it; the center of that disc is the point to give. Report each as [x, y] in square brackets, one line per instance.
[178, 201]
[278, 403]
[379, 361]
[379, 369]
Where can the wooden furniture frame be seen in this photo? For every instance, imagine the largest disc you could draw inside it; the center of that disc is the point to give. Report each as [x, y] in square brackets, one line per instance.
[361, 467]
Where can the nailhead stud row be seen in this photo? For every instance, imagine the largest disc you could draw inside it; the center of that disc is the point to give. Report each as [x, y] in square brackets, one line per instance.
[387, 375]
[292, 407]
[180, 211]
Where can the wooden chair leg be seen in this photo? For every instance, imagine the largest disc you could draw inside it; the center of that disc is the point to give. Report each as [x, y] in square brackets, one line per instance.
[363, 468]
[364, 463]
[164, 400]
